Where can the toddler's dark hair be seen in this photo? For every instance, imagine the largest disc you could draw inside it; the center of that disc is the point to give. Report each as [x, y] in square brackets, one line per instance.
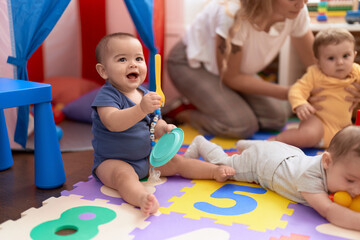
[101, 46]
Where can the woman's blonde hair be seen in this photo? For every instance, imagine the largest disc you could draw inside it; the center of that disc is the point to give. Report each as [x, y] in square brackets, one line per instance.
[253, 11]
[331, 36]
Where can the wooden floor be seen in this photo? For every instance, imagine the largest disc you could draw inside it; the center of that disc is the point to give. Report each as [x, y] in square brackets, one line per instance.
[18, 191]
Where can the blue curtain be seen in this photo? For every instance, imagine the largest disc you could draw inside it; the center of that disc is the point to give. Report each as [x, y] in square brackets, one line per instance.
[141, 12]
[31, 22]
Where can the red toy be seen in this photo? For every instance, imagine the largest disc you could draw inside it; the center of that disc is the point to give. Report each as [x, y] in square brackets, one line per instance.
[357, 122]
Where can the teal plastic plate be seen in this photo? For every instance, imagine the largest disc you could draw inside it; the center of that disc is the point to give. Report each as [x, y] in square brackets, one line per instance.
[166, 147]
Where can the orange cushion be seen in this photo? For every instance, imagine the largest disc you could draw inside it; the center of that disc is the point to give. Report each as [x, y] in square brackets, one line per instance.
[67, 89]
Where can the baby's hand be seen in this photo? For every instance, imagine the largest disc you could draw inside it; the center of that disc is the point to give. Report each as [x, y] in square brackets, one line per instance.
[304, 111]
[150, 102]
[169, 127]
[162, 127]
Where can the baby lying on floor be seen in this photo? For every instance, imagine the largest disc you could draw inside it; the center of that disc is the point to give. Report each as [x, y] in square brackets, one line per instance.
[287, 171]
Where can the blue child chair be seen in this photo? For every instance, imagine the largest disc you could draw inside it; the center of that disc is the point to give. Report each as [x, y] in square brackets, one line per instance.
[49, 169]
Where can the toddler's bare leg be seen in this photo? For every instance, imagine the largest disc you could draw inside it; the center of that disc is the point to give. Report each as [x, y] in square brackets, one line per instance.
[308, 134]
[121, 176]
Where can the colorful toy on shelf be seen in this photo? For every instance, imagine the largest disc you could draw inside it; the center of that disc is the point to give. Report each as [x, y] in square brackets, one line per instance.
[338, 8]
[352, 17]
[335, 8]
[322, 11]
[344, 199]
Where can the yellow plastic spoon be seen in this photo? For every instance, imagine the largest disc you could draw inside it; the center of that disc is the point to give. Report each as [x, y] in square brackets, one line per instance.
[158, 78]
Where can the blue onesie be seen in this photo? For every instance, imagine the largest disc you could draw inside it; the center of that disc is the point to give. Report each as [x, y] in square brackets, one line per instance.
[132, 145]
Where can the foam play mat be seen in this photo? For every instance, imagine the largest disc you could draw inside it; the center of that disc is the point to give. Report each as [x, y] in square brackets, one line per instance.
[190, 209]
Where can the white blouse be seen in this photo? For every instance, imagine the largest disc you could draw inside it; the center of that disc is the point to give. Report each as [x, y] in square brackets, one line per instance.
[259, 48]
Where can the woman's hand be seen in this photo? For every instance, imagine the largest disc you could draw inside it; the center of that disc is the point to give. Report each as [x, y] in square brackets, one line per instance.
[314, 100]
[354, 90]
[355, 95]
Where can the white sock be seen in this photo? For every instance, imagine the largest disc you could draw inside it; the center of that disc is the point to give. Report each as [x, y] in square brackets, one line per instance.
[193, 149]
[212, 152]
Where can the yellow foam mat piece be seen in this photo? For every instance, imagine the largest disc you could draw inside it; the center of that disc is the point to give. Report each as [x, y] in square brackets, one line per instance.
[225, 143]
[267, 215]
[189, 133]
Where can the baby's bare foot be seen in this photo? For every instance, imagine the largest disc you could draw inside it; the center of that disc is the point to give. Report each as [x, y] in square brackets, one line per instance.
[223, 173]
[149, 204]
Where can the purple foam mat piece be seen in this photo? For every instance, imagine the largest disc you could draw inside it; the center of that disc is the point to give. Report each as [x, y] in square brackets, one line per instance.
[90, 190]
[171, 188]
[302, 222]
[171, 225]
